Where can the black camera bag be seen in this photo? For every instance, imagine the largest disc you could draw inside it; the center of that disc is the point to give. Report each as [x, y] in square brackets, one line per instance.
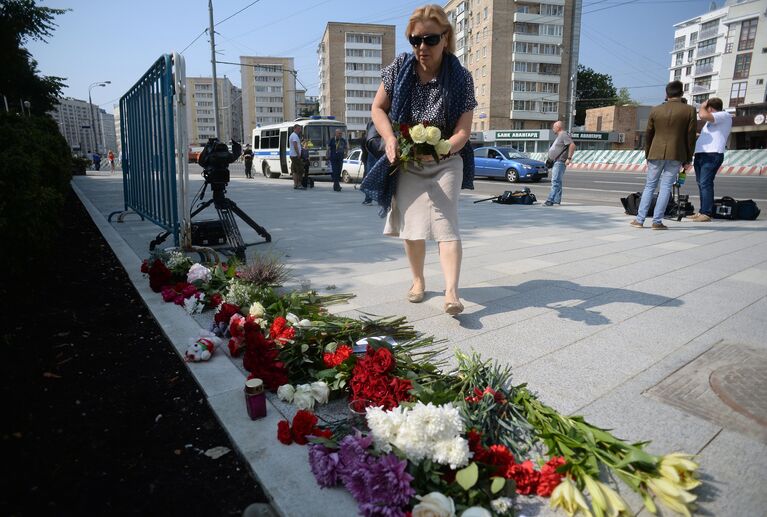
[747, 210]
[725, 208]
[518, 197]
[208, 233]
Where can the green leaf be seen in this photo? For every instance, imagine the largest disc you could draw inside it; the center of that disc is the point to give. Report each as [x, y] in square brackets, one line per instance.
[497, 484]
[637, 456]
[467, 477]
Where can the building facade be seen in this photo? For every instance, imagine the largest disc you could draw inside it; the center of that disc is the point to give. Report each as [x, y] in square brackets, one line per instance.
[529, 87]
[106, 132]
[307, 106]
[622, 127]
[199, 110]
[721, 54]
[350, 57]
[73, 117]
[268, 91]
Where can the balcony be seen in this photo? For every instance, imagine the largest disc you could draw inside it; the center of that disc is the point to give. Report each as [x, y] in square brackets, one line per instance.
[701, 88]
[706, 51]
[679, 46]
[708, 68]
[708, 33]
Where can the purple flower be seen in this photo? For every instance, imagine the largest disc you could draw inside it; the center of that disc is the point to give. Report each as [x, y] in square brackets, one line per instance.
[324, 465]
[381, 486]
[352, 454]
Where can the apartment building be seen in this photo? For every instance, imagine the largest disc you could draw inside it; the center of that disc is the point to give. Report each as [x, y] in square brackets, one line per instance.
[268, 91]
[199, 110]
[350, 57]
[614, 127]
[696, 58]
[723, 53]
[73, 117]
[522, 55]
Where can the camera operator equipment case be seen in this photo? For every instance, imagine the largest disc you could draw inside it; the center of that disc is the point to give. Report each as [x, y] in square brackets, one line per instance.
[725, 208]
[747, 210]
[208, 233]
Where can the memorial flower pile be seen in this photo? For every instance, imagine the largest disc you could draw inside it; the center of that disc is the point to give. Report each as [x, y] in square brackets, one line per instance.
[463, 442]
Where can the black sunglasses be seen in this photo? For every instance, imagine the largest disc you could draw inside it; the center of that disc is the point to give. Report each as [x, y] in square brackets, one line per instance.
[429, 39]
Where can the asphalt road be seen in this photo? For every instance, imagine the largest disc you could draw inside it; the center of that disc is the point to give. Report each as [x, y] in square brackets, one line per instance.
[590, 187]
[606, 188]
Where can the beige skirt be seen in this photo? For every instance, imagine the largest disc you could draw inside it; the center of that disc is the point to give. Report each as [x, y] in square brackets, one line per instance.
[425, 205]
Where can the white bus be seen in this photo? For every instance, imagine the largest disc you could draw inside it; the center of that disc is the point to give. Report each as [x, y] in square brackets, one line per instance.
[270, 145]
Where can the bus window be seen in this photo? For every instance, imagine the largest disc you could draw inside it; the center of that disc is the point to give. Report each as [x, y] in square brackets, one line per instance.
[256, 143]
[317, 134]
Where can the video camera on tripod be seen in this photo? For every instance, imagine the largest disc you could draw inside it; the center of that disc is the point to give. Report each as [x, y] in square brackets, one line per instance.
[215, 159]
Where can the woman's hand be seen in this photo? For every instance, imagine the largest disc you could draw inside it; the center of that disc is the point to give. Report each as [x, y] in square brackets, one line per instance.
[392, 149]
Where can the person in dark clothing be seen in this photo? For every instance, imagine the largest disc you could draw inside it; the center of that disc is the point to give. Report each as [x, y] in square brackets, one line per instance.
[96, 161]
[247, 158]
[337, 150]
[370, 156]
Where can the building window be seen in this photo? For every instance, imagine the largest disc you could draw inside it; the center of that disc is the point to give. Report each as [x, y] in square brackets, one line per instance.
[679, 42]
[484, 14]
[599, 123]
[677, 74]
[549, 107]
[688, 70]
[552, 10]
[707, 46]
[693, 38]
[517, 124]
[524, 106]
[690, 54]
[687, 87]
[483, 89]
[550, 30]
[679, 58]
[484, 51]
[747, 34]
[698, 99]
[742, 66]
[737, 94]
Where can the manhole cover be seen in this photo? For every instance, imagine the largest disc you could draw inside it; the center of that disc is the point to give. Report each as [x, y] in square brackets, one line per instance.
[743, 388]
[726, 385]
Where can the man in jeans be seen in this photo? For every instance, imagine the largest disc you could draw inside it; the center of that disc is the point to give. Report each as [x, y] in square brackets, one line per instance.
[561, 152]
[296, 163]
[709, 153]
[670, 145]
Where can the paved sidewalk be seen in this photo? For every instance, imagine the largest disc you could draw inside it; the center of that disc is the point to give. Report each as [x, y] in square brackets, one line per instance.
[657, 335]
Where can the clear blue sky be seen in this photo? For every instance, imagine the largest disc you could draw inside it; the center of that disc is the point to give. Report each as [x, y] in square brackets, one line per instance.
[118, 40]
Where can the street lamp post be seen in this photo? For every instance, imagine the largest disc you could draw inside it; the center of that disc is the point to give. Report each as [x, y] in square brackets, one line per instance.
[90, 106]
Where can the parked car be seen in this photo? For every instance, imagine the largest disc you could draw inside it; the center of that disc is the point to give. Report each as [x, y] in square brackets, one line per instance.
[507, 162]
[194, 154]
[353, 168]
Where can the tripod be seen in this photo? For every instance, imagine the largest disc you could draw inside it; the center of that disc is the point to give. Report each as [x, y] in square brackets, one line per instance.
[226, 208]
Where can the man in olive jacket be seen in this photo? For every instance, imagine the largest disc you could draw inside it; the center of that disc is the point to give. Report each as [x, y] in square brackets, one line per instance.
[670, 146]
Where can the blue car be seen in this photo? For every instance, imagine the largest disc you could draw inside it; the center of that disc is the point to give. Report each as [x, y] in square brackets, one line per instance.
[507, 162]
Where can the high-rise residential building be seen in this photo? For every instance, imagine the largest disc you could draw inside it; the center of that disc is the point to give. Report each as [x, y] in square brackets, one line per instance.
[106, 131]
[350, 57]
[73, 117]
[722, 54]
[696, 58]
[522, 56]
[118, 131]
[307, 105]
[268, 91]
[199, 110]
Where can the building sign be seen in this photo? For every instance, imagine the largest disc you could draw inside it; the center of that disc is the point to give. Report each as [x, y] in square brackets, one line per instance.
[589, 135]
[517, 135]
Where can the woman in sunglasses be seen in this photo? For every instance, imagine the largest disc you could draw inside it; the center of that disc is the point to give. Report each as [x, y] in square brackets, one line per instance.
[421, 201]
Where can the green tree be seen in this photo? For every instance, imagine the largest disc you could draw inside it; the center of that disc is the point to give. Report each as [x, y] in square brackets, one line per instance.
[624, 98]
[593, 90]
[20, 22]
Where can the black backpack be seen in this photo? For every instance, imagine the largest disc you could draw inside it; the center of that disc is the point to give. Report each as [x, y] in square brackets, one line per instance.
[518, 197]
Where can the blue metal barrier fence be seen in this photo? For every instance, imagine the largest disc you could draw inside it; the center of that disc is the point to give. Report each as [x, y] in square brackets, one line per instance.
[148, 143]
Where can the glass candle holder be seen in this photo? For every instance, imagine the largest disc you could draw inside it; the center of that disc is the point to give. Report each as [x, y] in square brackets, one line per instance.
[255, 398]
[358, 414]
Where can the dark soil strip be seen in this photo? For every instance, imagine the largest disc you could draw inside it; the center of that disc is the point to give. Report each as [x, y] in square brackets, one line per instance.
[104, 417]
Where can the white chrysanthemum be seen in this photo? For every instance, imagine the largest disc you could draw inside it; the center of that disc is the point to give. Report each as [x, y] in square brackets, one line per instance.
[436, 422]
[454, 452]
[384, 425]
[198, 272]
[257, 310]
[195, 304]
[502, 505]
[412, 442]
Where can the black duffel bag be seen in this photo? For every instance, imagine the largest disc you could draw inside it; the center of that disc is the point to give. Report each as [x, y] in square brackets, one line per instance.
[747, 210]
[518, 197]
[725, 208]
[631, 205]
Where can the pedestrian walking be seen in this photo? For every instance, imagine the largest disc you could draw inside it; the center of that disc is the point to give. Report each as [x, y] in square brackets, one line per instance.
[420, 201]
[670, 144]
[296, 163]
[337, 149]
[247, 159]
[96, 161]
[111, 158]
[709, 153]
[561, 154]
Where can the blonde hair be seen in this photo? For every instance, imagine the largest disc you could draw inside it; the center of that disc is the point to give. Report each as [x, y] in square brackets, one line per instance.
[434, 13]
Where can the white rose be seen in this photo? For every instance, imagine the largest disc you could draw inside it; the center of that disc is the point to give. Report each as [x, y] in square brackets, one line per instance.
[198, 272]
[292, 318]
[286, 392]
[418, 133]
[434, 505]
[305, 323]
[433, 135]
[320, 391]
[256, 310]
[476, 511]
[303, 398]
[443, 147]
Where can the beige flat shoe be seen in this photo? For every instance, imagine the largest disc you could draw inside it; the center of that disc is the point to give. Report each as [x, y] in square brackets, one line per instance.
[415, 296]
[453, 308]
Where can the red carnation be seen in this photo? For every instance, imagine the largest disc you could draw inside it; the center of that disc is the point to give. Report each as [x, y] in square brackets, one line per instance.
[145, 266]
[216, 299]
[549, 477]
[499, 457]
[525, 476]
[303, 424]
[225, 313]
[280, 331]
[475, 441]
[322, 432]
[283, 432]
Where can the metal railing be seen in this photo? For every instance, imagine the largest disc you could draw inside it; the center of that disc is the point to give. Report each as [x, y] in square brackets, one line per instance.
[706, 51]
[148, 136]
[703, 69]
[701, 88]
[708, 33]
